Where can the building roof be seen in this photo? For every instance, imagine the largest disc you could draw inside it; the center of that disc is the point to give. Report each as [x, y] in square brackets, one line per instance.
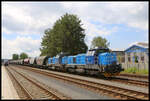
[142, 45]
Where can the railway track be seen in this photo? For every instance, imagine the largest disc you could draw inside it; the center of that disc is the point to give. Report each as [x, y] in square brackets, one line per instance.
[130, 81]
[134, 76]
[32, 88]
[113, 91]
[22, 93]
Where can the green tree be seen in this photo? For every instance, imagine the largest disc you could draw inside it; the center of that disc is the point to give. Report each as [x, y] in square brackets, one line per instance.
[67, 35]
[100, 42]
[15, 56]
[23, 55]
[48, 46]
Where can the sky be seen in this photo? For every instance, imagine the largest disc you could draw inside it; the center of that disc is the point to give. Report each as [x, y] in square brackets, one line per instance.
[23, 23]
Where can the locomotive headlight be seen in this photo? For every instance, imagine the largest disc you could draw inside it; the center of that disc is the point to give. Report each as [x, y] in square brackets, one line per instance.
[117, 63]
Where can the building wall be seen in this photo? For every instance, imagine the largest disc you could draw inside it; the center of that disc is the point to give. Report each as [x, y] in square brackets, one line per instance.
[143, 58]
[120, 56]
[146, 55]
[133, 51]
[140, 56]
[136, 65]
[140, 65]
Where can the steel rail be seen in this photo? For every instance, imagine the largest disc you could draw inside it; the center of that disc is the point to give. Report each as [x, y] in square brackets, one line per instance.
[126, 81]
[47, 92]
[115, 91]
[131, 81]
[28, 95]
[134, 75]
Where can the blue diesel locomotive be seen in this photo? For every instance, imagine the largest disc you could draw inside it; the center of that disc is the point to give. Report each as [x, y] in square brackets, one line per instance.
[95, 61]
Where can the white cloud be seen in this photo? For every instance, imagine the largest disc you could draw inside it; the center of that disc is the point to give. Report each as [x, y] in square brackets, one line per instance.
[19, 18]
[93, 30]
[33, 18]
[133, 14]
[73, 5]
[4, 30]
[19, 45]
[28, 18]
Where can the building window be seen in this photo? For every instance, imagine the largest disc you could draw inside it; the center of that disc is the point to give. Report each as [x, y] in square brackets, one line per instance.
[123, 59]
[129, 60]
[133, 58]
[136, 59]
[142, 58]
[128, 54]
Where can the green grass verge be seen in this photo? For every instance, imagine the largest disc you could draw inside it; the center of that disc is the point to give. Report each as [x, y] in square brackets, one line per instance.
[134, 70]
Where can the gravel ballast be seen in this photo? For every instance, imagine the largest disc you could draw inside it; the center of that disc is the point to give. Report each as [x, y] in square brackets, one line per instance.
[72, 91]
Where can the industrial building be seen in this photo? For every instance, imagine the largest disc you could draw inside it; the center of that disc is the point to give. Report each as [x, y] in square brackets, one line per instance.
[137, 53]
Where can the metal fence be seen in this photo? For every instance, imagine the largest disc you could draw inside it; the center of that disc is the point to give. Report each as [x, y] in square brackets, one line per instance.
[137, 65]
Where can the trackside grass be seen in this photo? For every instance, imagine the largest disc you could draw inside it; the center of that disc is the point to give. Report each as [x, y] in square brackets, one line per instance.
[134, 70]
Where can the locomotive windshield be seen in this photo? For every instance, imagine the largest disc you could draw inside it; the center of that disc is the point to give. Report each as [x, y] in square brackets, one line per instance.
[96, 51]
[102, 51]
[90, 53]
